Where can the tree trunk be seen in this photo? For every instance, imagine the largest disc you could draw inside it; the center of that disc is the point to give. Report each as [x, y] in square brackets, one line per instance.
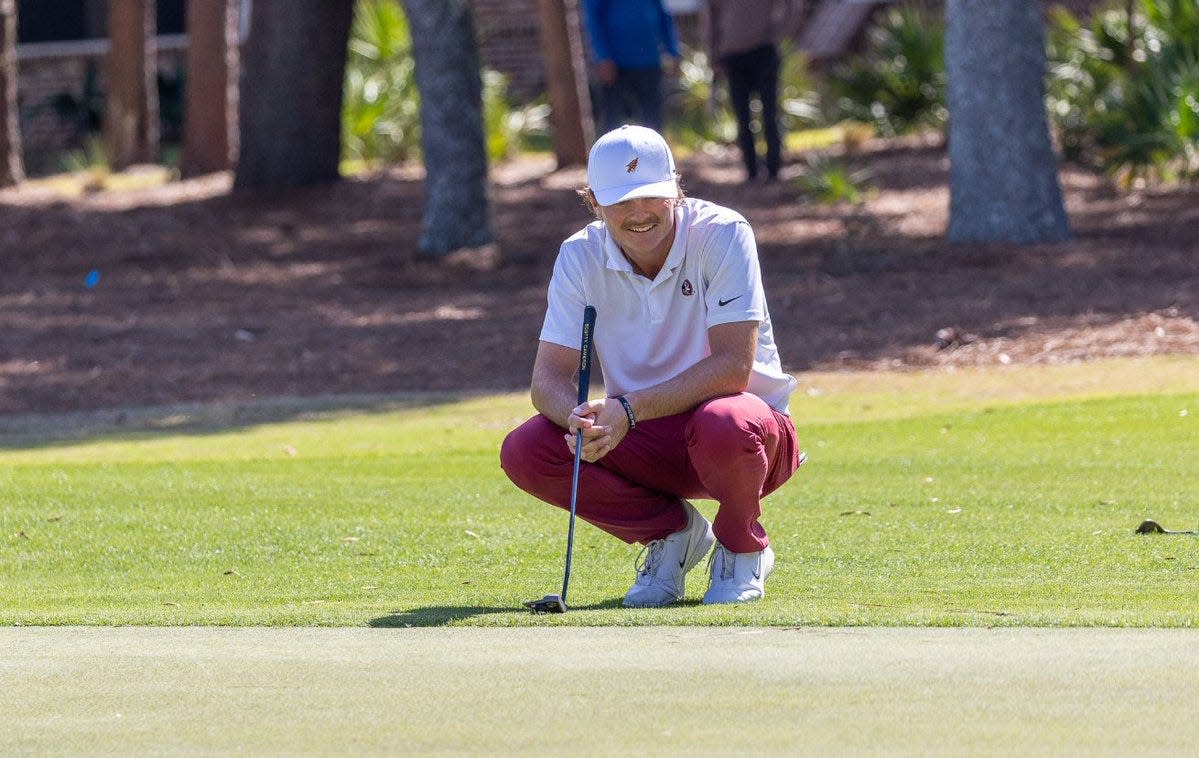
[12, 168]
[292, 81]
[566, 81]
[451, 119]
[1003, 177]
[210, 107]
[131, 105]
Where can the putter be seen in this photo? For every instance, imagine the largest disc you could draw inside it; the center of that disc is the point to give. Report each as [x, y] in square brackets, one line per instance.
[557, 603]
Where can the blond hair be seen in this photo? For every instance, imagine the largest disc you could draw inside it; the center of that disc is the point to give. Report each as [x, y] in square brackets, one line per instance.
[587, 197]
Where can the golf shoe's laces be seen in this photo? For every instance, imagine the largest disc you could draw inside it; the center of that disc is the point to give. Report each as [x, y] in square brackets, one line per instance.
[727, 567]
[649, 557]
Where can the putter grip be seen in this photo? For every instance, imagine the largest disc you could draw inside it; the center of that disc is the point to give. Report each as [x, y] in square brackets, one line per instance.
[585, 352]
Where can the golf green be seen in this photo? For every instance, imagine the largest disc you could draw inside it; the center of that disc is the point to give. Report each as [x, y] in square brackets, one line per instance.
[604, 691]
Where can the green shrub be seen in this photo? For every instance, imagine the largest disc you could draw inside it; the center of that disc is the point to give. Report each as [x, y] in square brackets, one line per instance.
[381, 112]
[90, 163]
[511, 130]
[699, 112]
[799, 98]
[829, 181]
[1079, 65]
[898, 83]
[1124, 92]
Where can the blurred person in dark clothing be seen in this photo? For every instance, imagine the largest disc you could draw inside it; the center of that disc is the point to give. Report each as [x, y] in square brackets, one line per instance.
[743, 40]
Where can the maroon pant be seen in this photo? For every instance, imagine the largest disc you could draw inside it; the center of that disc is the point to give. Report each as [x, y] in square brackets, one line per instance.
[733, 449]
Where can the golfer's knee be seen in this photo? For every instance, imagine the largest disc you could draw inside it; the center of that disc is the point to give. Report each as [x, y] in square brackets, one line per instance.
[514, 459]
[525, 454]
[719, 431]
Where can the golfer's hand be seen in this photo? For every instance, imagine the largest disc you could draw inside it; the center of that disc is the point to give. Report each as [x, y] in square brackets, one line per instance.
[604, 425]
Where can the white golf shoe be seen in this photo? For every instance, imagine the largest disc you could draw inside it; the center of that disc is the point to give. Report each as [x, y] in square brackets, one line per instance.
[738, 577]
[663, 565]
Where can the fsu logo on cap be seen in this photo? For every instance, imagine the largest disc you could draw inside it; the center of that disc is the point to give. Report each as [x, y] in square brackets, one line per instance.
[688, 290]
[631, 167]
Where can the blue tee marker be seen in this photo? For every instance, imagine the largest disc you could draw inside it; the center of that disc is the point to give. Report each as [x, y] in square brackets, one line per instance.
[92, 278]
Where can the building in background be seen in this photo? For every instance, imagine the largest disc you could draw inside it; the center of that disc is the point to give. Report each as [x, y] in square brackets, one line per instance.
[61, 46]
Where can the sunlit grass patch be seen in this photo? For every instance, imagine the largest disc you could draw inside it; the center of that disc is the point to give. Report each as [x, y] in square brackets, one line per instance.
[971, 497]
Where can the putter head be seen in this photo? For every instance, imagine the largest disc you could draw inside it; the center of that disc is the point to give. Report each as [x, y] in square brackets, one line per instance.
[547, 604]
[1149, 526]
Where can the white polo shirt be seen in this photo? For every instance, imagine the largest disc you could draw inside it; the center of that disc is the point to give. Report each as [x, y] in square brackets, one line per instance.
[647, 332]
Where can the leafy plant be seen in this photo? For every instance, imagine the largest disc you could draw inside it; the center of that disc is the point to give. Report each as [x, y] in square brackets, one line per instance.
[699, 105]
[898, 84]
[91, 163]
[381, 111]
[1124, 92]
[510, 130]
[799, 99]
[829, 181]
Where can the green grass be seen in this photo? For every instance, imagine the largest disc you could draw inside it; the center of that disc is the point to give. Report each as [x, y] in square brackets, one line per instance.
[988, 497]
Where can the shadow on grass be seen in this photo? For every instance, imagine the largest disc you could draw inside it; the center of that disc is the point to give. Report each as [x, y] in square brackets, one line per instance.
[134, 424]
[443, 615]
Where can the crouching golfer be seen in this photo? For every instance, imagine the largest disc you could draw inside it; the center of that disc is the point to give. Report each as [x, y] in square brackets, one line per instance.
[696, 402]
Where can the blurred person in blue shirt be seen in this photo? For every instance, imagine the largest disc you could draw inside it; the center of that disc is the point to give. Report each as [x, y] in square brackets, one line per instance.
[628, 39]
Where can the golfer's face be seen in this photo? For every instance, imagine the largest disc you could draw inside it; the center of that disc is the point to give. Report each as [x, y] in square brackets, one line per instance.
[643, 227]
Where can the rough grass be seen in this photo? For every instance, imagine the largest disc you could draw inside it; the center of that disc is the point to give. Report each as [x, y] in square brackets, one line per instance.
[966, 498]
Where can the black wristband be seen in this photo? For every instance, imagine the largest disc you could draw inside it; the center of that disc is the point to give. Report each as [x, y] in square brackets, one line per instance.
[628, 411]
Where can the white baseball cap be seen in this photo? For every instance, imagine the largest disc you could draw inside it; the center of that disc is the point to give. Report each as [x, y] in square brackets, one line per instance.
[629, 162]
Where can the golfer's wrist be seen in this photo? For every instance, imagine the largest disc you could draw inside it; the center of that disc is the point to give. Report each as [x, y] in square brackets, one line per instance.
[628, 411]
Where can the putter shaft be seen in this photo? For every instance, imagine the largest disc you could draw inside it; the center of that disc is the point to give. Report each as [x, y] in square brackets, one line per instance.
[574, 499]
[557, 603]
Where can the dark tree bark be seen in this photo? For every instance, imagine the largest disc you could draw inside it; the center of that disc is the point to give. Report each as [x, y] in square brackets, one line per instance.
[566, 81]
[1003, 172]
[12, 168]
[292, 79]
[131, 104]
[210, 105]
[451, 118]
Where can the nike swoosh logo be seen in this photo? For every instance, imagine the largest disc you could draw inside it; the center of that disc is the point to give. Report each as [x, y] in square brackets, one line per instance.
[683, 560]
[723, 303]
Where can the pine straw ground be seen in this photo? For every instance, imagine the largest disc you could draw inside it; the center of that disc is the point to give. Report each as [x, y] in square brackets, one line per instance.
[204, 295]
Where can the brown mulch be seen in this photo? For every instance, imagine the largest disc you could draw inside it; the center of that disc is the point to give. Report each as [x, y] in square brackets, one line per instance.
[204, 295]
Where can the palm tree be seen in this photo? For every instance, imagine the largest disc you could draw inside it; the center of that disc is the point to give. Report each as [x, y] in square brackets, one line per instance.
[290, 98]
[1003, 172]
[12, 168]
[451, 117]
